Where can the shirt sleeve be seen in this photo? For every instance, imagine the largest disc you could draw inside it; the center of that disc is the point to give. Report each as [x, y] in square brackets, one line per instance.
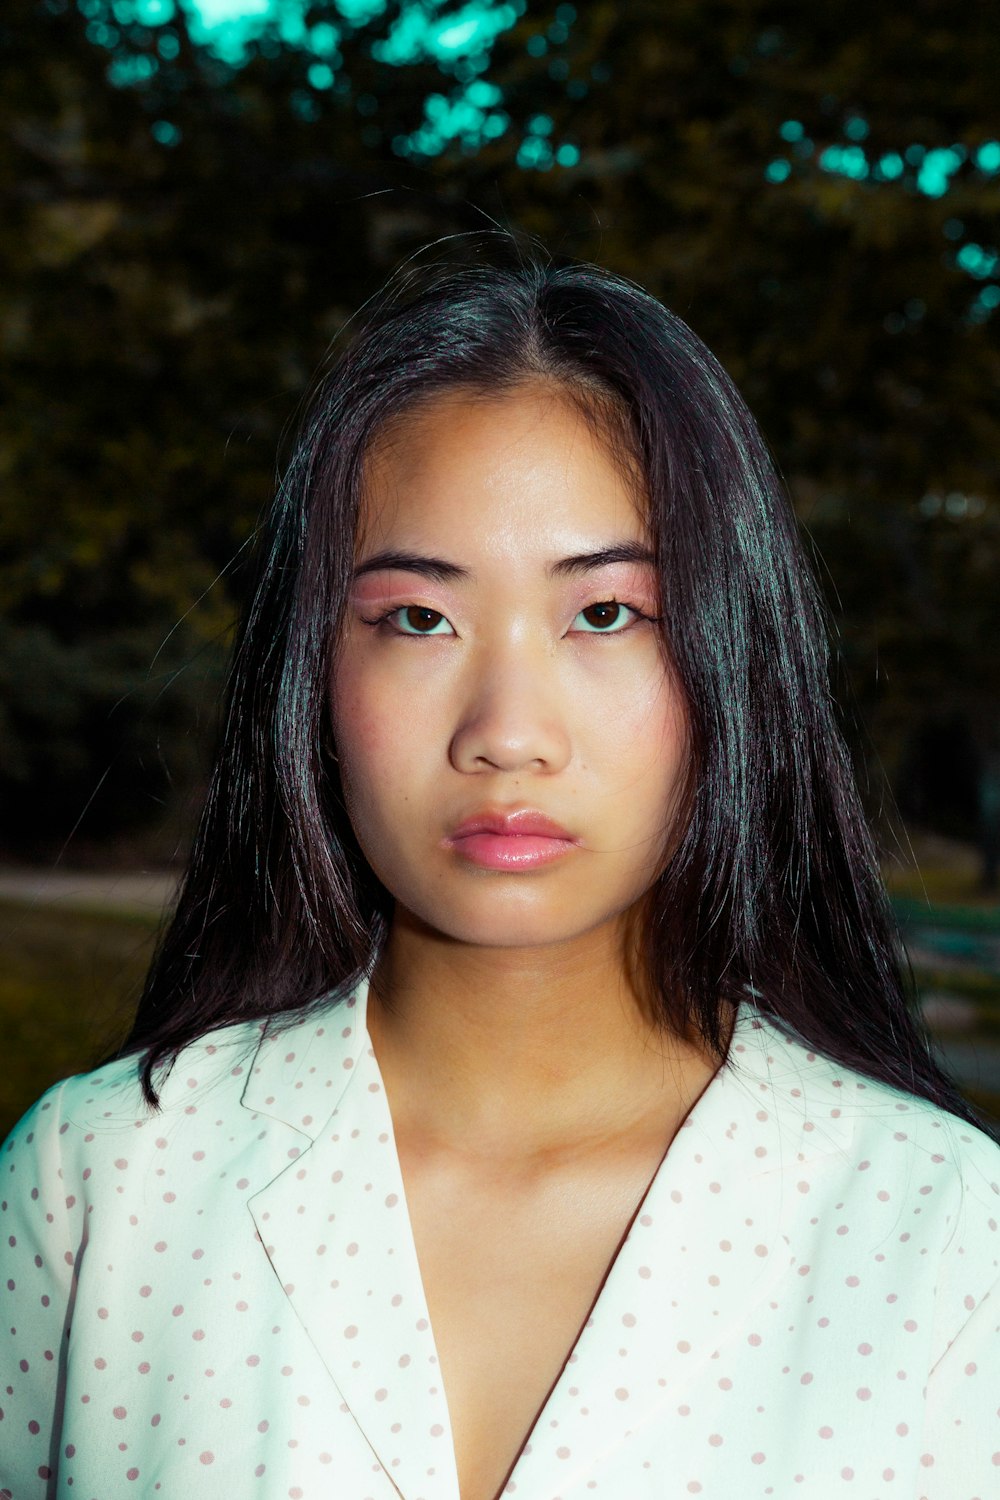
[42, 1232]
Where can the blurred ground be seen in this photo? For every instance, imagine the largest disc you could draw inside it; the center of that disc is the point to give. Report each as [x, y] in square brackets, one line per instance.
[69, 979]
[74, 947]
[145, 892]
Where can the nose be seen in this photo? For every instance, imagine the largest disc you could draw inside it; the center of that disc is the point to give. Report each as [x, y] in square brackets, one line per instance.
[511, 718]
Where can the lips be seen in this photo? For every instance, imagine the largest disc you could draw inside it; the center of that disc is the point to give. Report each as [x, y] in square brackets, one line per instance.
[525, 822]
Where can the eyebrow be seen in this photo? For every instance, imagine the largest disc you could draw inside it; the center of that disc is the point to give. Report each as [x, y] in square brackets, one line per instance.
[441, 571]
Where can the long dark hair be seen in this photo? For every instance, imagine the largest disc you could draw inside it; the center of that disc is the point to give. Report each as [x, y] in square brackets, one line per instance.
[773, 888]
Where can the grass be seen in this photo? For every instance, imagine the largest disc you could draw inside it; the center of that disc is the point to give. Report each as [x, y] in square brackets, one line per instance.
[69, 981]
[943, 877]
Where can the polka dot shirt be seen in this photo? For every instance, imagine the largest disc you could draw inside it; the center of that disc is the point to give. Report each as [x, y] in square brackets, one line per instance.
[223, 1299]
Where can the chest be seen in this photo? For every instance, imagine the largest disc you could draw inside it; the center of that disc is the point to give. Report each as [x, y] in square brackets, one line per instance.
[512, 1265]
[814, 1376]
[255, 1313]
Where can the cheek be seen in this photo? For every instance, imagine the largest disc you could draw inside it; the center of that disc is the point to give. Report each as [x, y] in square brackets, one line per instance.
[362, 730]
[380, 739]
[646, 731]
[359, 727]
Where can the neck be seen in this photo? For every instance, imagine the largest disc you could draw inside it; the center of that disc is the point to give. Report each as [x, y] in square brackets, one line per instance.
[523, 1051]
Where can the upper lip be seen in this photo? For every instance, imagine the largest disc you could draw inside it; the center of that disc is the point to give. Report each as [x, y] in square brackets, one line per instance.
[521, 821]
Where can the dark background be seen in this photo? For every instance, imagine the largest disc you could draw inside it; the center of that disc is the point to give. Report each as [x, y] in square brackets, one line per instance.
[188, 217]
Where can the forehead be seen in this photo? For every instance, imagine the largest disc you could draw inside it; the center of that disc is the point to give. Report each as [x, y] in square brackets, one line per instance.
[521, 471]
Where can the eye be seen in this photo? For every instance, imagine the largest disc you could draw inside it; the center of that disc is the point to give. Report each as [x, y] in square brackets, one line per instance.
[607, 618]
[414, 619]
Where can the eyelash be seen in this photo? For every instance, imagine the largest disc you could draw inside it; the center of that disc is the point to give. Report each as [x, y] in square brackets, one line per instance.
[382, 622]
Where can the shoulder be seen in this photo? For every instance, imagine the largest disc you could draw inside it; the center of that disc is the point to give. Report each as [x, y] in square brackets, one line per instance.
[847, 1106]
[825, 1104]
[112, 1093]
[83, 1119]
[87, 1127]
[937, 1171]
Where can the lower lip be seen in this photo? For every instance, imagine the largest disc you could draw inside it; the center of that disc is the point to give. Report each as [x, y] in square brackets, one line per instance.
[499, 851]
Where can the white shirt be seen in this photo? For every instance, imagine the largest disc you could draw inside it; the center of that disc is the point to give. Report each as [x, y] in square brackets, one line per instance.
[223, 1300]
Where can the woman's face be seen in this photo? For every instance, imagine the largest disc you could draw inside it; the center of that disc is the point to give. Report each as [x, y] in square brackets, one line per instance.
[499, 660]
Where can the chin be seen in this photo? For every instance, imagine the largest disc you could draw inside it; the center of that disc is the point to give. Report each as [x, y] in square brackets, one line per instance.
[484, 924]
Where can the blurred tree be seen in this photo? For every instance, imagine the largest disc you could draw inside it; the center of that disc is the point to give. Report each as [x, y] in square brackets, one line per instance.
[162, 312]
[812, 190]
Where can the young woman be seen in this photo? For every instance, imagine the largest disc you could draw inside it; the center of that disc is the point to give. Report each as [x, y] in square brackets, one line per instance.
[524, 1099]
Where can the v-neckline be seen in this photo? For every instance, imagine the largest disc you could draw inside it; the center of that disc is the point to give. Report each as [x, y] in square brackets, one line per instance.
[332, 1225]
[585, 1322]
[508, 1482]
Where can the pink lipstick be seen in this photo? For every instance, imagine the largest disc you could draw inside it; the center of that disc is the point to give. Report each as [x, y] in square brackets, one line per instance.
[519, 840]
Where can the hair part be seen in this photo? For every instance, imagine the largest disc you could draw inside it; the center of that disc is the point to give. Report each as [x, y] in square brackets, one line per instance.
[772, 889]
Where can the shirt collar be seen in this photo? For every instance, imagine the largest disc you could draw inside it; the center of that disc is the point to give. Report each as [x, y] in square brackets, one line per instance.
[334, 1225]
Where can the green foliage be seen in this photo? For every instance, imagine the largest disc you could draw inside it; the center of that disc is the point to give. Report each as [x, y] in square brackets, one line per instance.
[177, 251]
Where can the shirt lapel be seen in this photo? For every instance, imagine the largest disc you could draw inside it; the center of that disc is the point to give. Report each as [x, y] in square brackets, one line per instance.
[335, 1227]
[712, 1238]
[708, 1245]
